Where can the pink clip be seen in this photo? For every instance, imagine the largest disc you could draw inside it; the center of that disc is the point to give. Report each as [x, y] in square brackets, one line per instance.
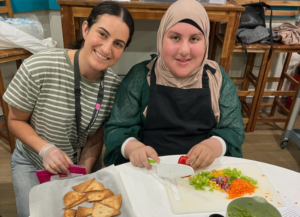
[98, 106]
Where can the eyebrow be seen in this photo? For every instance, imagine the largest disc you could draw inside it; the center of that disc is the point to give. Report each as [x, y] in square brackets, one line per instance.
[173, 32]
[109, 35]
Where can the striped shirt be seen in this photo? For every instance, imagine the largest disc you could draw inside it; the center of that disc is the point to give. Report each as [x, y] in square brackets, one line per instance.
[44, 86]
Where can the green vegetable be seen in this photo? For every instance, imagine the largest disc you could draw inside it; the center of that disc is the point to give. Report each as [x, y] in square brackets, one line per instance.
[249, 179]
[241, 212]
[233, 173]
[200, 180]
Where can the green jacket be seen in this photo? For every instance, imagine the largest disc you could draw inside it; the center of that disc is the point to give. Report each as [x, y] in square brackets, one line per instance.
[127, 119]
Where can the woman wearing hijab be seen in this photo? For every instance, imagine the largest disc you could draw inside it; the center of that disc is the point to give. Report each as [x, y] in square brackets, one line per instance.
[177, 103]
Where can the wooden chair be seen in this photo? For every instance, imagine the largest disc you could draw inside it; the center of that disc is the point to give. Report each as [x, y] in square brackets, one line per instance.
[9, 55]
[249, 77]
[277, 48]
[259, 82]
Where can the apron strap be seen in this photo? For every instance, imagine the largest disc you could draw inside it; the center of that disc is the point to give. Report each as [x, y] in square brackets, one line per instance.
[77, 91]
[205, 83]
[152, 75]
[211, 69]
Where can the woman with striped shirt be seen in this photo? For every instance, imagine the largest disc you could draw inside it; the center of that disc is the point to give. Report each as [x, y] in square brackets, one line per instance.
[60, 99]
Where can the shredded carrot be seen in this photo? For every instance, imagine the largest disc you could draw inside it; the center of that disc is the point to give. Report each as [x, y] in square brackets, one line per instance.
[266, 196]
[263, 175]
[239, 188]
[279, 203]
[296, 202]
[267, 193]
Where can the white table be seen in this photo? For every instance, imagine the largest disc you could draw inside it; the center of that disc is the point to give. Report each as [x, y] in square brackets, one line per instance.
[153, 200]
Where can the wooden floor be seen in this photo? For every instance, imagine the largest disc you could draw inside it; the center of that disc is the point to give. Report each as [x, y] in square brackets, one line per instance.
[262, 145]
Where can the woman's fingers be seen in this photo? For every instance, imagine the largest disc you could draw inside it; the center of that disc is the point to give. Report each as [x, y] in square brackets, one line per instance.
[144, 160]
[68, 159]
[199, 160]
[54, 167]
[139, 157]
[152, 154]
[49, 169]
[193, 156]
[200, 155]
[207, 161]
[61, 162]
[139, 162]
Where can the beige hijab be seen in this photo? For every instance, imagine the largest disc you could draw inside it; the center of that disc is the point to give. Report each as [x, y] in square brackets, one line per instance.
[193, 10]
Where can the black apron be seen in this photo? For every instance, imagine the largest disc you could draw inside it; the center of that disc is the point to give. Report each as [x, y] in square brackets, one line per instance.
[177, 119]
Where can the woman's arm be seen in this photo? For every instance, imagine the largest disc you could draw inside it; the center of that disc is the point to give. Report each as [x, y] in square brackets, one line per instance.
[126, 116]
[92, 150]
[54, 160]
[19, 126]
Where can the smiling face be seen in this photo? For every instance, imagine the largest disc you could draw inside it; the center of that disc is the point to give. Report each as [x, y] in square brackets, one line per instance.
[183, 49]
[104, 42]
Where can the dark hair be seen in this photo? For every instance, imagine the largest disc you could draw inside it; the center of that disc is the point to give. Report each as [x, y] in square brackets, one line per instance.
[111, 8]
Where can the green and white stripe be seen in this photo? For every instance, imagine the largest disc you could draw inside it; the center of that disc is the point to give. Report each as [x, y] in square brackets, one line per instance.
[44, 86]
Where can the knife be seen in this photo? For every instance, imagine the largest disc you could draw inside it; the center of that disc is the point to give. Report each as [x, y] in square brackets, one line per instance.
[171, 170]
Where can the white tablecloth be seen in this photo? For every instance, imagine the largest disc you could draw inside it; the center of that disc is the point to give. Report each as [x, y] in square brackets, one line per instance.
[149, 198]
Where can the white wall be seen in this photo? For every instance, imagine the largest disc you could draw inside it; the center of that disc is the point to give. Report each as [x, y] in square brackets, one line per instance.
[142, 45]
[55, 27]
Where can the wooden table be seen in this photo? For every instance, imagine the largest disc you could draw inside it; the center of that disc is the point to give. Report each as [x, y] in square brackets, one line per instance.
[72, 10]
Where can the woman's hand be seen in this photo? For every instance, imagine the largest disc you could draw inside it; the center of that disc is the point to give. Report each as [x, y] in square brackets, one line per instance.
[204, 153]
[55, 160]
[138, 154]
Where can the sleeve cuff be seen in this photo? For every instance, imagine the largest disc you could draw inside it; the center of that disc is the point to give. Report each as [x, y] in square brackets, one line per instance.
[124, 145]
[222, 143]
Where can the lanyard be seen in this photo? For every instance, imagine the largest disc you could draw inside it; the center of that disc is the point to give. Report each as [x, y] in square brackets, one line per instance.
[77, 92]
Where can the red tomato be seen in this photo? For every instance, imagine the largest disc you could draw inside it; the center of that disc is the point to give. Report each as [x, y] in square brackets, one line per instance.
[182, 160]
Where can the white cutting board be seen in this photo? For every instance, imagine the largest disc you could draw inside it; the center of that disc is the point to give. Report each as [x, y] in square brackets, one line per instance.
[197, 201]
